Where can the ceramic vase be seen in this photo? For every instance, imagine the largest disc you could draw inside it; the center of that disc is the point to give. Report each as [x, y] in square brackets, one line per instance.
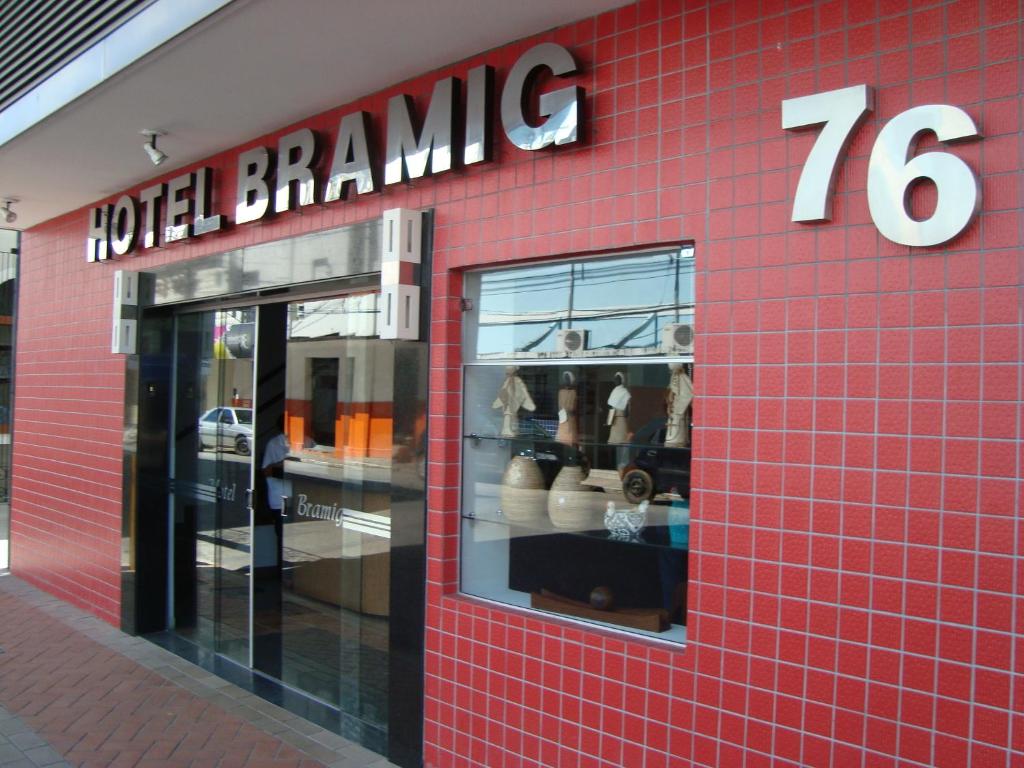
[522, 491]
[572, 505]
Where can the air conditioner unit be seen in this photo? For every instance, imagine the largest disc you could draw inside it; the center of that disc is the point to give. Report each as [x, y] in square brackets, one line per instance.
[677, 339]
[570, 342]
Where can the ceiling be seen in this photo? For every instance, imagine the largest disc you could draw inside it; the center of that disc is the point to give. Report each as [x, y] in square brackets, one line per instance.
[248, 69]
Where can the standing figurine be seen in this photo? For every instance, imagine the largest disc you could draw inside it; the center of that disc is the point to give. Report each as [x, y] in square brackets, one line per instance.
[511, 397]
[618, 402]
[678, 397]
[567, 410]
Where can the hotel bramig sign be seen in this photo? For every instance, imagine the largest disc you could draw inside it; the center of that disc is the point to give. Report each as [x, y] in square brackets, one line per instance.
[894, 167]
[438, 145]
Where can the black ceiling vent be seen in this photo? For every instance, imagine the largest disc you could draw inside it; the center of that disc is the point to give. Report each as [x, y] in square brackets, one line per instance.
[38, 37]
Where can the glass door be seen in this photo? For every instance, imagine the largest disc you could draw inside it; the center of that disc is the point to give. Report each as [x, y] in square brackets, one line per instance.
[212, 472]
[299, 441]
[336, 520]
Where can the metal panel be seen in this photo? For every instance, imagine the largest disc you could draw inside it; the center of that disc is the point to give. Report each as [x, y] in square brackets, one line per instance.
[199, 279]
[345, 252]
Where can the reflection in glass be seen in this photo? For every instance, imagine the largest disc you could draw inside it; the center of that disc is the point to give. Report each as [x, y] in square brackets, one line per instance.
[212, 472]
[325, 424]
[346, 458]
[576, 449]
[565, 518]
[623, 305]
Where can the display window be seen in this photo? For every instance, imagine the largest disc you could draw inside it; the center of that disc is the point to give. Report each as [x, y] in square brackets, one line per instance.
[576, 441]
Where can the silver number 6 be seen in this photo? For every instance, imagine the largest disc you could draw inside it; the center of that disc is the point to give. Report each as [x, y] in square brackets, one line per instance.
[892, 173]
[840, 112]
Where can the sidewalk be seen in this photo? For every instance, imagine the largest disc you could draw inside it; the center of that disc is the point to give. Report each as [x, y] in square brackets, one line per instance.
[75, 691]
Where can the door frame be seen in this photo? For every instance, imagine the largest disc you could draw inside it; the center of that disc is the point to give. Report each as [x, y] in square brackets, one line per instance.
[317, 265]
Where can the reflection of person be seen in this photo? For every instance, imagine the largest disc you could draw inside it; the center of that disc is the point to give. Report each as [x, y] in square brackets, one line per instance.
[618, 402]
[678, 397]
[273, 468]
[511, 397]
[567, 410]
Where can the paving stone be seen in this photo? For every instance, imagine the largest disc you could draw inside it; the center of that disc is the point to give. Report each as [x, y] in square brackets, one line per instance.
[9, 753]
[75, 690]
[44, 755]
[12, 725]
[304, 726]
[330, 740]
[26, 740]
[269, 725]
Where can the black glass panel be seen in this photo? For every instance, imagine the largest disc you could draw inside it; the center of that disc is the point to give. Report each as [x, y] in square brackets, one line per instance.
[212, 474]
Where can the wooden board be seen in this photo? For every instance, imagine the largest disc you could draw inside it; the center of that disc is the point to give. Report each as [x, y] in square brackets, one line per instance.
[649, 619]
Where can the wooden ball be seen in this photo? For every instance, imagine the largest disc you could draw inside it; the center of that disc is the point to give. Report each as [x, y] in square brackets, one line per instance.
[602, 598]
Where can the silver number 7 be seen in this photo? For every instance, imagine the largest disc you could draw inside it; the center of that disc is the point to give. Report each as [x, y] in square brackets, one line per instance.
[839, 112]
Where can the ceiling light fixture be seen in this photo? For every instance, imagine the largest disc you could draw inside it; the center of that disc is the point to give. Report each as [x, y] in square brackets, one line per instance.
[9, 216]
[150, 146]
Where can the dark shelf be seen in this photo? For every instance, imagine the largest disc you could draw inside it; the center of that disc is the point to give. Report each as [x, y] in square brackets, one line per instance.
[658, 536]
[583, 445]
[572, 566]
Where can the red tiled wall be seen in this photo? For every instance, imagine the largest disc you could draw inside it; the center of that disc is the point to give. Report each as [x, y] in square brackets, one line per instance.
[855, 593]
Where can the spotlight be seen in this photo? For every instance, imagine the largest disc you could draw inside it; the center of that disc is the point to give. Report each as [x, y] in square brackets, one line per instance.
[150, 146]
[5, 210]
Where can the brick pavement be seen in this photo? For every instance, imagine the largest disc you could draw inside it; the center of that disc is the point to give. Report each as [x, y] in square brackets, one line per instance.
[76, 691]
[22, 747]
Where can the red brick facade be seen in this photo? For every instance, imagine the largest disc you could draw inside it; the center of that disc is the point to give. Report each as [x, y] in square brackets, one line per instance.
[856, 588]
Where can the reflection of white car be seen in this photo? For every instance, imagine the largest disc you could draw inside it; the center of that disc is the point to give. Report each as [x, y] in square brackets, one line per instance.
[229, 428]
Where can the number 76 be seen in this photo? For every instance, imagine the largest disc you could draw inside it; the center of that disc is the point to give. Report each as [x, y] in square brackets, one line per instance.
[893, 169]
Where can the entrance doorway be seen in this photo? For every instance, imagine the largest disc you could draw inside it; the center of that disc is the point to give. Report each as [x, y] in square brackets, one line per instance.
[211, 545]
[295, 471]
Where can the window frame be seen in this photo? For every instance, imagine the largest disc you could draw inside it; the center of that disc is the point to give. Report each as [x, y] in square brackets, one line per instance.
[470, 359]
